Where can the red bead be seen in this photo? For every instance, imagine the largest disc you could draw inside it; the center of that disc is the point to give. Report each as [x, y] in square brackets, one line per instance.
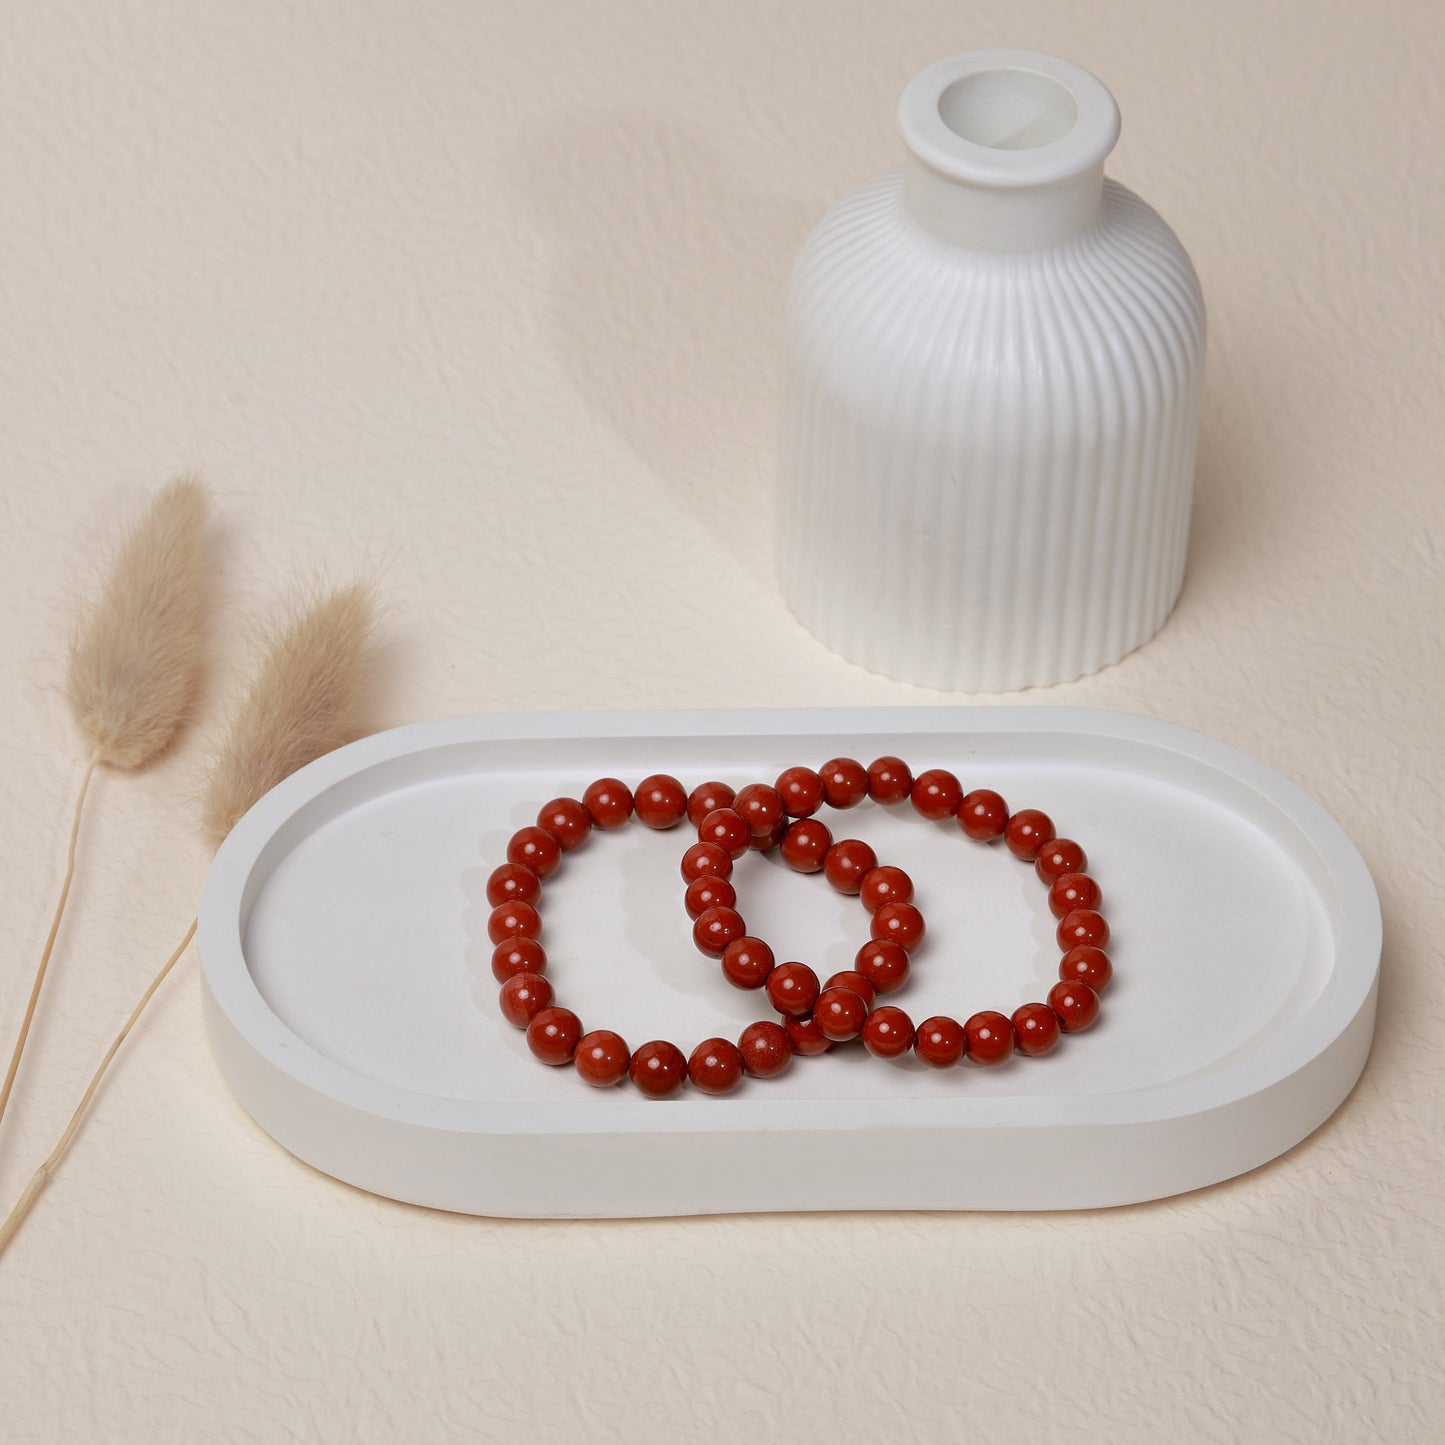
[513, 920]
[706, 860]
[845, 782]
[535, 848]
[940, 1042]
[1036, 1028]
[805, 844]
[765, 1049]
[511, 883]
[761, 807]
[728, 830]
[793, 989]
[1083, 925]
[801, 790]
[715, 928]
[708, 891]
[888, 1032]
[858, 982]
[707, 798]
[523, 997]
[567, 821]
[883, 963]
[846, 864]
[890, 780]
[937, 794]
[609, 801]
[517, 955]
[747, 962]
[766, 842]
[989, 1037]
[1086, 964]
[553, 1035]
[1076, 1004]
[840, 1012]
[658, 1069]
[716, 1066]
[899, 923]
[885, 884]
[1057, 857]
[601, 1059]
[983, 815]
[805, 1037]
[660, 801]
[1026, 832]
[1072, 891]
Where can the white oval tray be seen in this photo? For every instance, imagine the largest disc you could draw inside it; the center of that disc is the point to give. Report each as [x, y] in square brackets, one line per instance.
[351, 1007]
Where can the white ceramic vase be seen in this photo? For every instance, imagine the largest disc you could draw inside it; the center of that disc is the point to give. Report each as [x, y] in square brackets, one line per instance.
[992, 366]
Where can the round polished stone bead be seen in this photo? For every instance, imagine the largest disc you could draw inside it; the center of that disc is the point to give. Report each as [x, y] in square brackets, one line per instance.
[1072, 891]
[765, 1049]
[1036, 1028]
[885, 884]
[658, 1069]
[553, 1035]
[899, 923]
[708, 891]
[511, 883]
[1026, 832]
[1076, 1004]
[513, 920]
[858, 982]
[602, 1058]
[1083, 925]
[805, 844]
[883, 963]
[518, 955]
[989, 1037]
[535, 848]
[940, 1042]
[1057, 857]
[936, 794]
[840, 1012]
[567, 821]
[847, 863]
[747, 962]
[715, 928]
[766, 842]
[845, 782]
[660, 801]
[706, 858]
[890, 780]
[761, 807]
[609, 802]
[805, 1037]
[793, 989]
[888, 1032]
[983, 815]
[801, 790]
[707, 798]
[523, 997]
[715, 1066]
[1086, 964]
[728, 830]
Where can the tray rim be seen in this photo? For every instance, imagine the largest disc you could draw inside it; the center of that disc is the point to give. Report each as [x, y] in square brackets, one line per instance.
[232, 992]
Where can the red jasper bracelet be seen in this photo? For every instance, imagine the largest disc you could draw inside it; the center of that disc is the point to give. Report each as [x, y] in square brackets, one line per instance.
[554, 1034]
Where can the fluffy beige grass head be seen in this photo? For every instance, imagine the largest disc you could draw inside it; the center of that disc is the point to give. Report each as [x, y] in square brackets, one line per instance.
[136, 658]
[305, 701]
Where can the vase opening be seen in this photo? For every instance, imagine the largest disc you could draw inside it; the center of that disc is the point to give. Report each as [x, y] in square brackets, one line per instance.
[1009, 110]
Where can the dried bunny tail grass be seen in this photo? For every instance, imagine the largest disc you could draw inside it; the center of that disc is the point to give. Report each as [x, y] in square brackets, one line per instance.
[135, 661]
[304, 702]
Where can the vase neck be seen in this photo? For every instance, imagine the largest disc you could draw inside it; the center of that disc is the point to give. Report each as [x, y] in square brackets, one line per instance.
[1006, 149]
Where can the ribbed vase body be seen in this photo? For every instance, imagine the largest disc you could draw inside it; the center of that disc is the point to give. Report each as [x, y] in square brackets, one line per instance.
[986, 456]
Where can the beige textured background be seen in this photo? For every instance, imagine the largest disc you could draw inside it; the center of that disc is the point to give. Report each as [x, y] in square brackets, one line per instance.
[488, 295]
